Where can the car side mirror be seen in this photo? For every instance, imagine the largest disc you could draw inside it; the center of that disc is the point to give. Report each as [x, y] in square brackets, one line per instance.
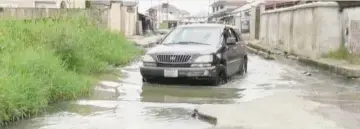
[158, 41]
[230, 41]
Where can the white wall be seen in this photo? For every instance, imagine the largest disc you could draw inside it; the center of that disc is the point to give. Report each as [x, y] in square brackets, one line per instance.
[115, 17]
[41, 3]
[309, 30]
[348, 15]
[252, 22]
[46, 4]
[19, 3]
[76, 3]
[122, 21]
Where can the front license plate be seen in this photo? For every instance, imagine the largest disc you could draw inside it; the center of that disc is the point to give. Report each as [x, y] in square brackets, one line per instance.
[171, 73]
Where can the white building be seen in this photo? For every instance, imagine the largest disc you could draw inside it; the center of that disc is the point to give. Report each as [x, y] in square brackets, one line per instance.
[243, 16]
[167, 13]
[221, 10]
[200, 17]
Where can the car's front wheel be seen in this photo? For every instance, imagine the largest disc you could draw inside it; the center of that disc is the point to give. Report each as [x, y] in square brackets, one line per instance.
[215, 81]
[243, 66]
[220, 77]
[148, 79]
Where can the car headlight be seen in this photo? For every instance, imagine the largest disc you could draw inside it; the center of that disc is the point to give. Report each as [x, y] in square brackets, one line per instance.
[204, 59]
[148, 58]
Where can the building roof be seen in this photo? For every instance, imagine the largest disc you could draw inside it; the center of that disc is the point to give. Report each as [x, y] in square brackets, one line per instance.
[171, 8]
[229, 2]
[221, 13]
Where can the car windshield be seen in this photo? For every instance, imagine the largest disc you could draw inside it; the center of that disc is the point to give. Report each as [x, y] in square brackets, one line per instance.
[194, 35]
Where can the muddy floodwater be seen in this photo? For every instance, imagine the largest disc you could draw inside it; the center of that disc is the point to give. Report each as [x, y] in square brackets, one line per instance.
[128, 103]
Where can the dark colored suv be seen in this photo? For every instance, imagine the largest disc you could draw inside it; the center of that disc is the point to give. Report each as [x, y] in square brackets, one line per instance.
[212, 52]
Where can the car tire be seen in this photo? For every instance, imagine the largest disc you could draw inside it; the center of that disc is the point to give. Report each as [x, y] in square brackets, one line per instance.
[224, 76]
[243, 67]
[148, 79]
[246, 64]
[220, 78]
[215, 81]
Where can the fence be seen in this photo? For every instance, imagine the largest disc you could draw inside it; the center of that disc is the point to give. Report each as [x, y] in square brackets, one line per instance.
[100, 17]
[309, 30]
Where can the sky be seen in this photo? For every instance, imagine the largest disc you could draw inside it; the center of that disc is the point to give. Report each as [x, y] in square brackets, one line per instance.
[192, 6]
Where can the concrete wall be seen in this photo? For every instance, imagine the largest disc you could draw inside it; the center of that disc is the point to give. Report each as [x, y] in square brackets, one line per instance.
[129, 21]
[40, 3]
[76, 3]
[309, 30]
[116, 18]
[252, 22]
[121, 20]
[33, 13]
[351, 42]
[15, 4]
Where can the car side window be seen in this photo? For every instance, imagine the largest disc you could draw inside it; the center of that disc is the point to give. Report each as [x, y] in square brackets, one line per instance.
[238, 34]
[234, 34]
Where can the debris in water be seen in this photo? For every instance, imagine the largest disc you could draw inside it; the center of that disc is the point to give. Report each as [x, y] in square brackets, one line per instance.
[307, 73]
[195, 113]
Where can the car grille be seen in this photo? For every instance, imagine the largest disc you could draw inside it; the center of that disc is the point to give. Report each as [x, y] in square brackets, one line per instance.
[173, 65]
[173, 58]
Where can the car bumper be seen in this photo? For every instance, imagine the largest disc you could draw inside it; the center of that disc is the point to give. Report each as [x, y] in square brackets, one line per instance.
[206, 72]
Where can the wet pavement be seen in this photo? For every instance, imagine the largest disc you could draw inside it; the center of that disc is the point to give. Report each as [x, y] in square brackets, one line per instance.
[127, 103]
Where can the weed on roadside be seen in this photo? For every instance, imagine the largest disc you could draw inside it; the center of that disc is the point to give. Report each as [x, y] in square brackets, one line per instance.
[342, 53]
[47, 61]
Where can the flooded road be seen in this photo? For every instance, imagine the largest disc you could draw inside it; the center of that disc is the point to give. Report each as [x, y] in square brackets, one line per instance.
[127, 103]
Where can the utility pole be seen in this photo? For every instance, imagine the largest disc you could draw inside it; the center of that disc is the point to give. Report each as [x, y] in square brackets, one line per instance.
[209, 8]
[167, 10]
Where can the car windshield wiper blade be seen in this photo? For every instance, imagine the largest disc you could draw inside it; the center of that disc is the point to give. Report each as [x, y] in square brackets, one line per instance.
[191, 42]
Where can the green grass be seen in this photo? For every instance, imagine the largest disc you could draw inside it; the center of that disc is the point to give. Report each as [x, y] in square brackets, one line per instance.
[47, 61]
[342, 53]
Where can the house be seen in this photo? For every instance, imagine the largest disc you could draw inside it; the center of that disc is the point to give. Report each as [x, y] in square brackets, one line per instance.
[43, 3]
[222, 8]
[200, 17]
[243, 15]
[167, 14]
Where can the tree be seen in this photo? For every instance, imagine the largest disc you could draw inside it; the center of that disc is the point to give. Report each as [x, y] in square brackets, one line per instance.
[62, 4]
[87, 4]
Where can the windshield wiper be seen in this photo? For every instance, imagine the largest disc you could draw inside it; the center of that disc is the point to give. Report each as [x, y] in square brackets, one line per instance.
[190, 42]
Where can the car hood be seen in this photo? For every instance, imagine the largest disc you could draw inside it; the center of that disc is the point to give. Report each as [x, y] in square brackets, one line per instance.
[183, 49]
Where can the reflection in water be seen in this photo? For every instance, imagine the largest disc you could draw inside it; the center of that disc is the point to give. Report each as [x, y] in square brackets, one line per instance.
[127, 103]
[185, 94]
